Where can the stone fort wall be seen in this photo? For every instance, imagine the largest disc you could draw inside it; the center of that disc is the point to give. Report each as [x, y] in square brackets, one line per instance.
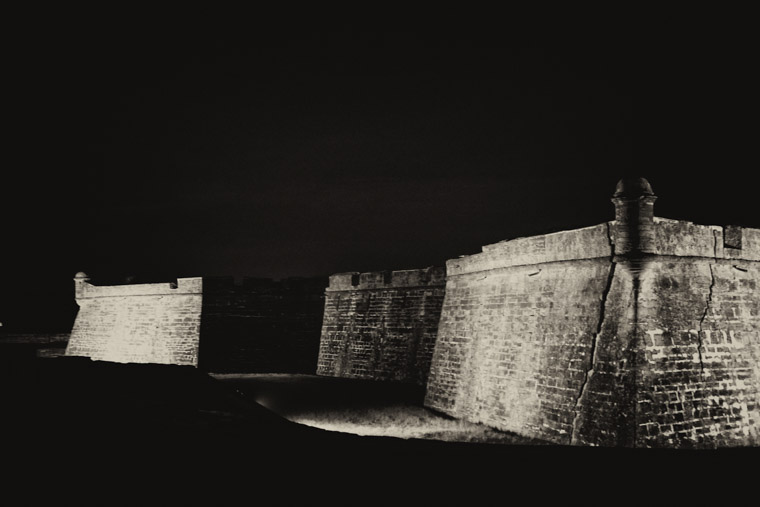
[142, 323]
[381, 325]
[517, 328]
[638, 332]
[698, 341]
[256, 325]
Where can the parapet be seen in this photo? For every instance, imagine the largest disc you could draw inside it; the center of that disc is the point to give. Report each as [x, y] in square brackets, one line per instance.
[192, 285]
[587, 243]
[85, 290]
[686, 239]
[431, 276]
[634, 234]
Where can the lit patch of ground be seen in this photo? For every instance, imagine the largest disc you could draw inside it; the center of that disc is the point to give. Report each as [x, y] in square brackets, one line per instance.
[405, 421]
[360, 407]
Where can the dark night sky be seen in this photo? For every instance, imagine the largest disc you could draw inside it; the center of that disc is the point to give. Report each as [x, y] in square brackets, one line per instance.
[184, 154]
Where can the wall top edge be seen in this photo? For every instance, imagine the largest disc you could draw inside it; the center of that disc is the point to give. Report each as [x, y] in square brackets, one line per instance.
[657, 221]
[192, 285]
[432, 276]
[671, 238]
[552, 235]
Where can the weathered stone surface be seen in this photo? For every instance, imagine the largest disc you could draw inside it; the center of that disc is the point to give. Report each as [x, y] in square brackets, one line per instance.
[640, 332]
[586, 243]
[515, 343]
[698, 383]
[381, 325]
[258, 325]
[142, 323]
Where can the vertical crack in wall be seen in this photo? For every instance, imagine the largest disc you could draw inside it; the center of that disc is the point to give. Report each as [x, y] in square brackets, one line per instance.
[708, 302]
[600, 325]
[633, 348]
[702, 321]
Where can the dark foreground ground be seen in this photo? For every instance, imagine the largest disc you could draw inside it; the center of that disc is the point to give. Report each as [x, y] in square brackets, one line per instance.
[110, 434]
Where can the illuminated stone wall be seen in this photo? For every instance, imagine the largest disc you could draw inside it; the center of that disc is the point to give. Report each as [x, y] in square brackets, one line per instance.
[518, 328]
[699, 338]
[640, 332]
[141, 323]
[381, 325]
[256, 325]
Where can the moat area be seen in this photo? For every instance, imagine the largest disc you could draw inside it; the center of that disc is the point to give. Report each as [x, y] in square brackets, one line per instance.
[361, 407]
[104, 433]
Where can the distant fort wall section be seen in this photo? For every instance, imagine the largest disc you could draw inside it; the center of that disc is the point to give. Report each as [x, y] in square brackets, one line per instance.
[639, 332]
[214, 323]
[261, 325]
[141, 323]
[381, 325]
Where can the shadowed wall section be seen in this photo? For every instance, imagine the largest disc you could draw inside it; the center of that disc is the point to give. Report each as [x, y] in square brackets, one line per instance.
[258, 325]
[381, 325]
[261, 325]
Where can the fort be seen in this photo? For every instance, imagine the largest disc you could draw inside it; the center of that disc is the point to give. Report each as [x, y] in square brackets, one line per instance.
[638, 332]
[214, 323]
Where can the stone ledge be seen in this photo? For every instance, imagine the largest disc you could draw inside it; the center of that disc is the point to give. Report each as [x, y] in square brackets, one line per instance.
[674, 238]
[432, 277]
[183, 286]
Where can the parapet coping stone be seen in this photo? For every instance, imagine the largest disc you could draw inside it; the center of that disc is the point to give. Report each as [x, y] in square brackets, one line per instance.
[183, 286]
[674, 238]
[432, 277]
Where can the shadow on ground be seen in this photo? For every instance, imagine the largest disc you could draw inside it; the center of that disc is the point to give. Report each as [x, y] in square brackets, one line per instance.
[100, 433]
[293, 394]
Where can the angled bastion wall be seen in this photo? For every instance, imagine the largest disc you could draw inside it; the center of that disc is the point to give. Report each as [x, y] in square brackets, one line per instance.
[381, 325]
[141, 323]
[517, 329]
[639, 332]
[214, 323]
[698, 341]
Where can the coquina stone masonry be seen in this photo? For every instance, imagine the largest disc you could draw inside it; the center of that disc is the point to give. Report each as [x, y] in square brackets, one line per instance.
[140, 323]
[639, 332]
[214, 323]
[381, 325]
